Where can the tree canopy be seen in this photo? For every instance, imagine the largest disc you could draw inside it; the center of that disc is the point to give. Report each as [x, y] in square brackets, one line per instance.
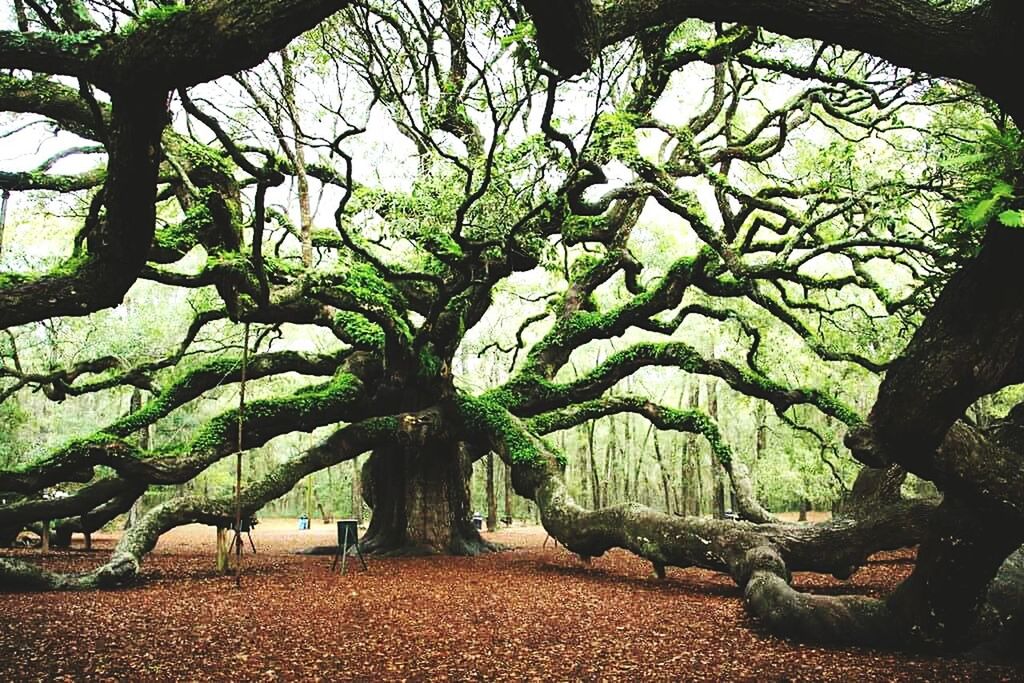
[429, 231]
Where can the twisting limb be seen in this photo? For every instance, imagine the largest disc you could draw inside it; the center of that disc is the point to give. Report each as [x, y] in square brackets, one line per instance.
[662, 417]
[126, 560]
[758, 557]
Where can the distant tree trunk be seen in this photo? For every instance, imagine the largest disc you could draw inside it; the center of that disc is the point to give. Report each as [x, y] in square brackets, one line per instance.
[309, 497]
[761, 440]
[697, 463]
[508, 493]
[356, 497]
[665, 483]
[595, 477]
[805, 506]
[420, 500]
[719, 493]
[690, 462]
[719, 481]
[609, 459]
[637, 453]
[135, 511]
[492, 499]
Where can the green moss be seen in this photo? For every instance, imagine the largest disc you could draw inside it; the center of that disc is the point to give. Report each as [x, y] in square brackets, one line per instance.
[357, 330]
[220, 433]
[583, 266]
[13, 280]
[71, 42]
[381, 426]
[203, 158]
[615, 138]
[67, 268]
[71, 451]
[185, 235]
[362, 283]
[582, 228]
[560, 457]
[229, 260]
[154, 16]
[326, 239]
[441, 245]
[282, 268]
[491, 419]
[429, 363]
[179, 390]
[830, 406]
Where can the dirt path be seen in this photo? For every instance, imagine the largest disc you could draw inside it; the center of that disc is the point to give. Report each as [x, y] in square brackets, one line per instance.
[531, 614]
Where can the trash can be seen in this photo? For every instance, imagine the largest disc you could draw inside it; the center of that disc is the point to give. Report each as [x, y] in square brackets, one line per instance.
[303, 522]
[478, 521]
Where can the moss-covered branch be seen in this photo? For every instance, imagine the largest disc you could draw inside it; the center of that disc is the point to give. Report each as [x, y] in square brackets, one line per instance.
[124, 564]
[758, 557]
[662, 417]
[76, 461]
[528, 395]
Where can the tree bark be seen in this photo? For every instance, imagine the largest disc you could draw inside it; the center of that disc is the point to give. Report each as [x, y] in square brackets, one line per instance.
[420, 500]
[492, 500]
[963, 44]
[357, 499]
[508, 493]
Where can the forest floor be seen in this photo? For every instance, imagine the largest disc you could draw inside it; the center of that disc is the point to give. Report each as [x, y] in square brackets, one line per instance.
[535, 613]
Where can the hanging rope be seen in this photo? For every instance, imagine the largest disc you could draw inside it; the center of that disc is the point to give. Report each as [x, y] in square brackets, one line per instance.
[238, 462]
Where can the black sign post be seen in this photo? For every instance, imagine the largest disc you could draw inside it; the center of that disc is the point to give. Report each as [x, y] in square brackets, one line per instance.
[348, 537]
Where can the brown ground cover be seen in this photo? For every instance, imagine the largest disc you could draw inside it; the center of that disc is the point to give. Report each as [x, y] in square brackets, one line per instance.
[532, 614]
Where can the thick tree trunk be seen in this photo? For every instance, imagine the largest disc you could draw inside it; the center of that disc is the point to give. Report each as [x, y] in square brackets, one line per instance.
[420, 501]
[961, 554]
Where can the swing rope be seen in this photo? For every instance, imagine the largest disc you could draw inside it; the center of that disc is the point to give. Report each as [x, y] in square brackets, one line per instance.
[238, 462]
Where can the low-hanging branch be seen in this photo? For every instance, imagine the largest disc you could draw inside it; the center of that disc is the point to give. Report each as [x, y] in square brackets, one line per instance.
[527, 394]
[664, 418]
[306, 409]
[125, 562]
[758, 557]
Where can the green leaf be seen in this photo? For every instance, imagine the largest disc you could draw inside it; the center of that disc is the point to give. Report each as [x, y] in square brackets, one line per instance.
[1002, 190]
[1012, 219]
[979, 214]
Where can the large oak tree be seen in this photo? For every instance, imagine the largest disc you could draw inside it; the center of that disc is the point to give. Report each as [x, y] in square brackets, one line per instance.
[510, 175]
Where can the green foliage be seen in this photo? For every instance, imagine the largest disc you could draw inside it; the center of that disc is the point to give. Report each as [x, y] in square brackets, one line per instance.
[12, 446]
[979, 215]
[1012, 218]
[986, 170]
